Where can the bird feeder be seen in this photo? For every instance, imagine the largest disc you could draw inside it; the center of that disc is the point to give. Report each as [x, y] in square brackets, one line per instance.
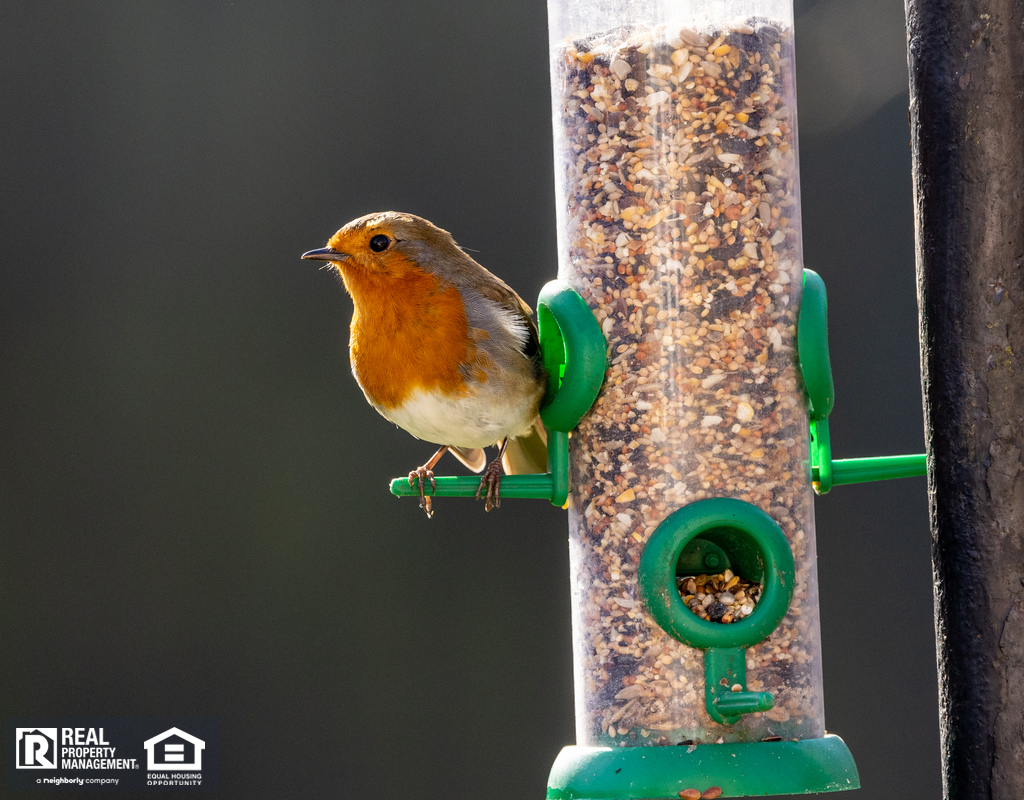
[679, 224]
[687, 355]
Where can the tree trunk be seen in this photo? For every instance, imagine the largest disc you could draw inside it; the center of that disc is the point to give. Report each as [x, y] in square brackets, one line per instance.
[967, 113]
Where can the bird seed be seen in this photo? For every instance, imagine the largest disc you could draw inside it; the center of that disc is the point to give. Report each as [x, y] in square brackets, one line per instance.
[719, 598]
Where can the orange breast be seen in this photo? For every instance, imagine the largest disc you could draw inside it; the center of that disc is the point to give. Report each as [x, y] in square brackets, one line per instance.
[408, 333]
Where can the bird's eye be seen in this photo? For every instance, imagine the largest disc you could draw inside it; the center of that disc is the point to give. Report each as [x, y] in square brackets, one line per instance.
[379, 243]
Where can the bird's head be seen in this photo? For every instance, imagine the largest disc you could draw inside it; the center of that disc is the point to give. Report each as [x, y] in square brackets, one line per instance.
[388, 243]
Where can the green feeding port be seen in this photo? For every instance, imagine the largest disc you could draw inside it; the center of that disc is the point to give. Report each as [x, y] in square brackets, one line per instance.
[752, 545]
[574, 353]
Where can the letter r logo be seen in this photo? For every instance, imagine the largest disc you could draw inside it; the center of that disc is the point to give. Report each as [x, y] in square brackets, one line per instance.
[37, 748]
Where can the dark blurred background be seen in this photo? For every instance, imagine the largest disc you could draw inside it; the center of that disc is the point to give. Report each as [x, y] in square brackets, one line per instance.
[193, 493]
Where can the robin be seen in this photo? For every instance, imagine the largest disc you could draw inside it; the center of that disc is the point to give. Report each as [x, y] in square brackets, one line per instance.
[441, 347]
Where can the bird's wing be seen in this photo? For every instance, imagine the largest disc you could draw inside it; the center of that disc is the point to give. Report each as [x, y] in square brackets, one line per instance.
[492, 305]
[458, 268]
[512, 333]
[500, 292]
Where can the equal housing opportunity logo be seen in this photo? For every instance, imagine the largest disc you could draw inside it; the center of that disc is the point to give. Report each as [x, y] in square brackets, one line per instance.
[111, 753]
[174, 749]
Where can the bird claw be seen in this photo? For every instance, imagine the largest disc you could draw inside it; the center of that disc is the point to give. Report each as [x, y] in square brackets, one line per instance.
[491, 481]
[422, 475]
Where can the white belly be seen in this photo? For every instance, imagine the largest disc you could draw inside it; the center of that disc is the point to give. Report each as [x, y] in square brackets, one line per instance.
[477, 420]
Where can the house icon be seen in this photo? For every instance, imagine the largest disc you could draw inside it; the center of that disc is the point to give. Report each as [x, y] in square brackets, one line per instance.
[174, 750]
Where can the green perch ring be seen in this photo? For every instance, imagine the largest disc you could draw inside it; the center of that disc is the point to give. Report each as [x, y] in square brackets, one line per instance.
[574, 352]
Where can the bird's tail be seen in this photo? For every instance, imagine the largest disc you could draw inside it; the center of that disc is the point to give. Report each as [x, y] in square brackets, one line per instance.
[472, 457]
[527, 453]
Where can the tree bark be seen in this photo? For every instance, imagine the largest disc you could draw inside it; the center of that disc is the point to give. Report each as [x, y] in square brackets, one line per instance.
[967, 126]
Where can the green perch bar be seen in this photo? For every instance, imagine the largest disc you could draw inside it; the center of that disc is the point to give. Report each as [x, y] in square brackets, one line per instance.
[879, 468]
[552, 485]
[844, 471]
[532, 486]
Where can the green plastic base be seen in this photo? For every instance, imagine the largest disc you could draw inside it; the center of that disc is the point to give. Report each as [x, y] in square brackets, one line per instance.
[740, 770]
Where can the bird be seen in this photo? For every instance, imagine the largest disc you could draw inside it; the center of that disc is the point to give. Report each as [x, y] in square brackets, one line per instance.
[441, 347]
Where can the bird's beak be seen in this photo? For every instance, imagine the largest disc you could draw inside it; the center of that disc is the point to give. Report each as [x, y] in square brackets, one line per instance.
[326, 254]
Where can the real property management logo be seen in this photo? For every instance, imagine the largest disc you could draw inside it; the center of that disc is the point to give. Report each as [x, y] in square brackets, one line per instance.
[37, 748]
[111, 753]
[76, 748]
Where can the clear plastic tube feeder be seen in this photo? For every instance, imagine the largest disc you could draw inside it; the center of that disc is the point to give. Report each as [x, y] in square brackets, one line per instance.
[695, 609]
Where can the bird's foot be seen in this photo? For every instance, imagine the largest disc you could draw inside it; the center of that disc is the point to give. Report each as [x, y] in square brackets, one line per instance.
[422, 475]
[490, 485]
